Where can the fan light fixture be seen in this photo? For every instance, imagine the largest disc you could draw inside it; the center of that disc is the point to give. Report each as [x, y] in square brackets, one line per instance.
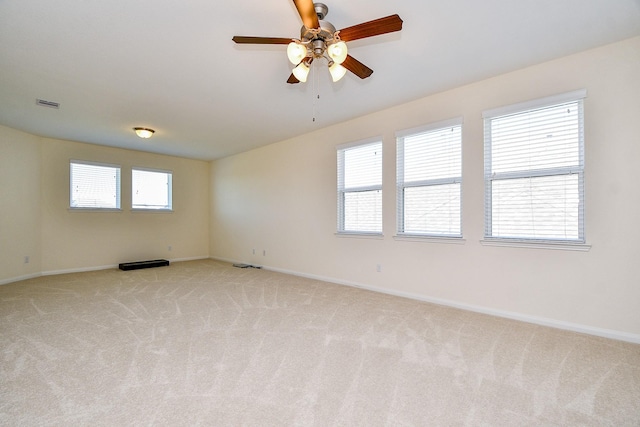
[337, 51]
[296, 52]
[337, 71]
[301, 72]
[144, 132]
[333, 50]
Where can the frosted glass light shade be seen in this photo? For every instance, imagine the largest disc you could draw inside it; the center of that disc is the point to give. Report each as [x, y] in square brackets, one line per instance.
[337, 71]
[144, 132]
[301, 72]
[296, 52]
[337, 52]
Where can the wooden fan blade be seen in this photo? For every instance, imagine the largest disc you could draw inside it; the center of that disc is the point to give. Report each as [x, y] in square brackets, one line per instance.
[307, 13]
[376, 27]
[261, 40]
[357, 67]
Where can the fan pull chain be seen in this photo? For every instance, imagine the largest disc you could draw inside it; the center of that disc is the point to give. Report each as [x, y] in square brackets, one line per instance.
[316, 90]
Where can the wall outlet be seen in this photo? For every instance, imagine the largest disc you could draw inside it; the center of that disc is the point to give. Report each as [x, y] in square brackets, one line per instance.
[264, 252]
[26, 259]
[379, 268]
[254, 251]
[169, 248]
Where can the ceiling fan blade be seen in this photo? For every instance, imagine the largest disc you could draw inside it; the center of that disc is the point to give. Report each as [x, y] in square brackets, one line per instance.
[308, 13]
[357, 67]
[376, 27]
[261, 40]
[292, 80]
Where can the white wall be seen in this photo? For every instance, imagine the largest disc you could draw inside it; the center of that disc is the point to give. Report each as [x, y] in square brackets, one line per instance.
[282, 199]
[20, 231]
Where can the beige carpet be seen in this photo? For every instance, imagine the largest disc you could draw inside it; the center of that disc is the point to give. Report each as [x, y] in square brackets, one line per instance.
[204, 343]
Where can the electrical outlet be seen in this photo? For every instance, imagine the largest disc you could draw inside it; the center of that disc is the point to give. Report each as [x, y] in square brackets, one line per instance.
[169, 248]
[26, 259]
[379, 268]
[264, 252]
[254, 251]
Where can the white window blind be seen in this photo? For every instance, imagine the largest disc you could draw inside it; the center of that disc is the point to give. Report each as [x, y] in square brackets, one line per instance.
[94, 186]
[534, 173]
[360, 188]
[429, 179]
[151, 189]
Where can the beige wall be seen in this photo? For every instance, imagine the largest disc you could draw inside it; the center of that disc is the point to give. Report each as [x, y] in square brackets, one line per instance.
[35, 218]
[282, 199]
[78, 239]
[20, 235]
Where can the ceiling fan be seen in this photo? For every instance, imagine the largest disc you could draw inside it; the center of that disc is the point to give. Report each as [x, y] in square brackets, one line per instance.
[319, 39]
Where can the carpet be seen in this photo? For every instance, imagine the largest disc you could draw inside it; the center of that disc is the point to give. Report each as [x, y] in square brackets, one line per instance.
[204, 343]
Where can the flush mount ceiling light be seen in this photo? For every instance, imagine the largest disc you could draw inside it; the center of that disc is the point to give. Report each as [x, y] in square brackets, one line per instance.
[144, 132]
[320, 40]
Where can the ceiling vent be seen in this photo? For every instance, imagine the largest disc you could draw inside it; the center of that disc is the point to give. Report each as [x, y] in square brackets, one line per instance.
[45, 103]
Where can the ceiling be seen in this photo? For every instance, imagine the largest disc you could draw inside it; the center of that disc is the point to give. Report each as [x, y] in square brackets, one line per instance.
[172, 66]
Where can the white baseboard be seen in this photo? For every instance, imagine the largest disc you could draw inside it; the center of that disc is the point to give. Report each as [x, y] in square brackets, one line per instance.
[108, 267]
[86, 269]
[552, 323]
[78, 270]
[196, 258]
[19, 278]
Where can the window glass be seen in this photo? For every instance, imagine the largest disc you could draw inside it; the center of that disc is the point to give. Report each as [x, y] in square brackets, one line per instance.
[360, 188]
[429, 177]
[151, 189]
[534, 173]
[94, 186]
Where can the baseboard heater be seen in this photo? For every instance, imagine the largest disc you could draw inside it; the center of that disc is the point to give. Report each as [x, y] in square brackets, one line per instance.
[125, 266]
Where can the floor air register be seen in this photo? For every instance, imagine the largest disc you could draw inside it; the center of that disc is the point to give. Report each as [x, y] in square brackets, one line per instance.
[143, 264]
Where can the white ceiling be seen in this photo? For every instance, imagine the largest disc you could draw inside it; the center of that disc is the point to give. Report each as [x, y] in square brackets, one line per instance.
[172, 66]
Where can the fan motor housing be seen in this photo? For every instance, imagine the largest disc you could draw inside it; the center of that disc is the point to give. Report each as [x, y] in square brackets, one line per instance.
[325, 32]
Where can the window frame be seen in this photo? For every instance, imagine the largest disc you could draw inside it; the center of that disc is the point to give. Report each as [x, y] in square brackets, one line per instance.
[118, 185]
[167, 208]
[402, 185]
[490, 177]
[342, 190]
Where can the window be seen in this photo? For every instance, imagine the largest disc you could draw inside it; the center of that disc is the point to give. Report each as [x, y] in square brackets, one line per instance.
[534, 170]
[151, 189]
[360, 188]
[429, 176]
[94, 186]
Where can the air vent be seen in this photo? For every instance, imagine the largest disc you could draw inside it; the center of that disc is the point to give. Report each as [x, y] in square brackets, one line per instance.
[46, 103]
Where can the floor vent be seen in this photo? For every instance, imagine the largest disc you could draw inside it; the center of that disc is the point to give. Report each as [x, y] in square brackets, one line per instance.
[143, 264]
[46, 103]
[247, 266]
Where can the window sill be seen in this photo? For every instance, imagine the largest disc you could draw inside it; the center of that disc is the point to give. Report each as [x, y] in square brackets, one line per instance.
[94, 210]
[429, 239]
[152, 210]
[563, 246]
[357, 235]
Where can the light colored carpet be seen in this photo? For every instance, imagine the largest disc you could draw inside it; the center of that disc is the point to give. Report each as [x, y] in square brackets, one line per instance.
[204, 343]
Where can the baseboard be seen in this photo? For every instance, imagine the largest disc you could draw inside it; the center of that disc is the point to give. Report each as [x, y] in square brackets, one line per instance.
[233, 261]
[79, 270]
[86, 269]
[197, 258]
[552, 323]
[19, 278]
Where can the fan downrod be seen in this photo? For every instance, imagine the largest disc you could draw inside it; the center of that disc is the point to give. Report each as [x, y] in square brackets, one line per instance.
[321, 9]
